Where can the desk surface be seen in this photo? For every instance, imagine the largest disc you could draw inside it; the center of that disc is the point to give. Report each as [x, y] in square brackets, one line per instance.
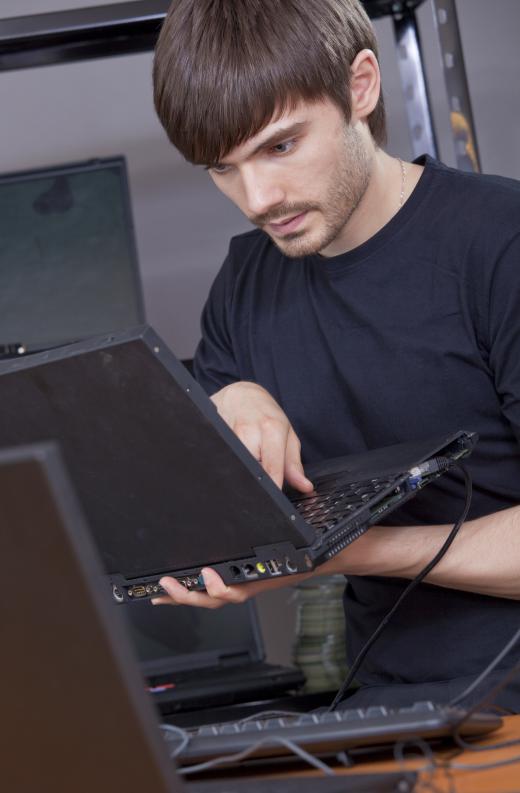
[504, 779]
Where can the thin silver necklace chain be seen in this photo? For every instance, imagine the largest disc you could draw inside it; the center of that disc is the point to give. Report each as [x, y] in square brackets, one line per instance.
[403, 177]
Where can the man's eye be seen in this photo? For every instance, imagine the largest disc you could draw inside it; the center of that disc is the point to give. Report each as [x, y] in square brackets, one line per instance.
[283, 148]
[219, 168]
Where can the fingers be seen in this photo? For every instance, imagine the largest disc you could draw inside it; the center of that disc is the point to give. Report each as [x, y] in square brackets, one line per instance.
[275, 444]
[266, 441]
[217, 592]
[294, 473]
[273, 448]
[250, 436]
[262, 426]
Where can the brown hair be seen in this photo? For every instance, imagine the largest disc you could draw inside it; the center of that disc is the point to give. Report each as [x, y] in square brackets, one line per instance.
[224, 69]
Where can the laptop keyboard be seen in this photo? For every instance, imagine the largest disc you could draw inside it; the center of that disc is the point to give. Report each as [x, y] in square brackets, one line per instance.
[328, 733]
[332, 501]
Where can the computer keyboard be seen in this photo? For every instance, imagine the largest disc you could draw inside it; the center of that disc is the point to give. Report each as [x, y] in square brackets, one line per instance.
[332, 501]
[329, 733]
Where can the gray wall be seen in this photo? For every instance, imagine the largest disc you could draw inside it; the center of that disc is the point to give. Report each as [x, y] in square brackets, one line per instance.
[100, 108]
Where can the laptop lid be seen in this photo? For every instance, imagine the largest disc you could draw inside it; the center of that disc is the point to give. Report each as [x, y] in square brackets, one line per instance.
[168, 487]
[74, 711]
[69, 261]
[162, 479]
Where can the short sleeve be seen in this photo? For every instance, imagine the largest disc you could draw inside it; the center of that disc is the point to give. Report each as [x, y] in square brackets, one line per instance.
[214, 363]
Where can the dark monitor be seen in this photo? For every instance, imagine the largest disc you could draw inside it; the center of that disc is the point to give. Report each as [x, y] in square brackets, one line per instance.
[68, 260]
[183, 638]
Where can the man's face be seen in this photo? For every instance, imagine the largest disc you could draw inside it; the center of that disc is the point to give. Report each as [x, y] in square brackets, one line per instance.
[300, 178]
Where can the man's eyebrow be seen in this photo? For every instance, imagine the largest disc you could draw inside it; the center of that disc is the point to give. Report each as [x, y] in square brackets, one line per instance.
[277, 137]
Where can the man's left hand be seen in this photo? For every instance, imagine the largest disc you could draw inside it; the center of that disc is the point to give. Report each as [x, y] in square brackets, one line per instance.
[217, 593]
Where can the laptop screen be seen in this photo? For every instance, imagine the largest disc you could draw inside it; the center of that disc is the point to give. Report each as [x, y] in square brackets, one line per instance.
[68, 263]
[183, 638]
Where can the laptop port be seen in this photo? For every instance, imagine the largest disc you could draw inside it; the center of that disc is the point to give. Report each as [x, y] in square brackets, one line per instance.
[274, 566]
[235, 571]
[137, 591]
[290, 566]
[249, 571]
[118, 595]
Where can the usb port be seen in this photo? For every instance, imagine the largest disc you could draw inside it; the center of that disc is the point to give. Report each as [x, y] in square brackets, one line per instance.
[274, 566]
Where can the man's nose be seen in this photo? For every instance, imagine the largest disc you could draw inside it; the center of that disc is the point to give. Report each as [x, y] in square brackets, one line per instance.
[262, 192]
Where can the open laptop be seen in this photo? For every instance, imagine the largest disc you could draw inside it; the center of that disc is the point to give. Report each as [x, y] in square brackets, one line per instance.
[69, 258]
[75, 716]
[168, 488]
[194, 658]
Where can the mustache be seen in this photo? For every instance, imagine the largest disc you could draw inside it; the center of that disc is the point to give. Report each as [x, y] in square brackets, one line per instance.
[281, 211]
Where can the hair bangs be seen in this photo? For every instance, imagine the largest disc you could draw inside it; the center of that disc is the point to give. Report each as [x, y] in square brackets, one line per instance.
[246, 109]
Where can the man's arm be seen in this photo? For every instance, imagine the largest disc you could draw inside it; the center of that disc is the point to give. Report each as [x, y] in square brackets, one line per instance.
[484, 558]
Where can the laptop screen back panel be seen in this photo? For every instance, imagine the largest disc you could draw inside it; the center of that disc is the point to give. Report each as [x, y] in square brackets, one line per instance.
[74, 712]
[160, 485]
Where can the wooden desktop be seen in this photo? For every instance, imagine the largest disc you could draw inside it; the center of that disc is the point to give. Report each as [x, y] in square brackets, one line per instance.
[503, 779]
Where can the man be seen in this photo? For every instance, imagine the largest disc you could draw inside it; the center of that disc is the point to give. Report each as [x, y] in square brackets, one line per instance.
[377, 302]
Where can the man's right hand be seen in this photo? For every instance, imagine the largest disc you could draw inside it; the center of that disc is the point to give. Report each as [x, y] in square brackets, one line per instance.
[262, 426]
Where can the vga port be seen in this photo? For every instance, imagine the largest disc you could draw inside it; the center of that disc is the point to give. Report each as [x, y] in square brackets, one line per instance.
[138, 591]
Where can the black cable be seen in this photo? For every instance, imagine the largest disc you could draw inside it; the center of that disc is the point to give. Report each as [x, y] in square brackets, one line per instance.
[411, 586]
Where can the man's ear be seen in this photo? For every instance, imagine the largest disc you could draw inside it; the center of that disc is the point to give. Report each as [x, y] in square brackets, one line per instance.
[365, 85]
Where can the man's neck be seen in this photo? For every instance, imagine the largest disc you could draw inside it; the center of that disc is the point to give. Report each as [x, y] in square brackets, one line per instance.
[381, 201]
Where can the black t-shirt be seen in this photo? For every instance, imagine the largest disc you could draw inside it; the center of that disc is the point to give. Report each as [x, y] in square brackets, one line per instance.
[413, 334]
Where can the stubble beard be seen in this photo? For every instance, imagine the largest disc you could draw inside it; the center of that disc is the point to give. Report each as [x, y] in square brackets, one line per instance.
[341, 201]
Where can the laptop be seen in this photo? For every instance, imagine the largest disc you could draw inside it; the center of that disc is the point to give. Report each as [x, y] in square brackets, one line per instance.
[69, 257]
[75, 716]
[168, 488]
[194, 658]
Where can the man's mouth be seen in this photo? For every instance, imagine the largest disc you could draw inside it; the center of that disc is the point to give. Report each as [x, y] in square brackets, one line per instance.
[280, 228]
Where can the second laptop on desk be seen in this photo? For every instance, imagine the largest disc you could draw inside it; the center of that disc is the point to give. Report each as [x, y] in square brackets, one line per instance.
[166, 485]
[194, 658]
